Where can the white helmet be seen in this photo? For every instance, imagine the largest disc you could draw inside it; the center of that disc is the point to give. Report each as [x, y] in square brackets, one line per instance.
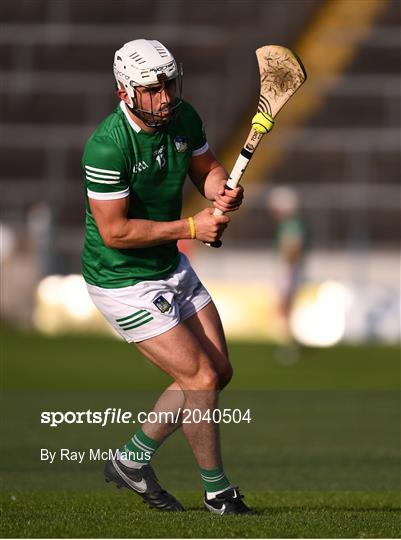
[144, 62]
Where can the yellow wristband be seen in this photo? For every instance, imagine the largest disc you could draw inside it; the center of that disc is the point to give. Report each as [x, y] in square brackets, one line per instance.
[192, 227]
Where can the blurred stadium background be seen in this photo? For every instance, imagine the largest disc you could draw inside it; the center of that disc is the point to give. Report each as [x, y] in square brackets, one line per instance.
[336, 144]
[323, 448]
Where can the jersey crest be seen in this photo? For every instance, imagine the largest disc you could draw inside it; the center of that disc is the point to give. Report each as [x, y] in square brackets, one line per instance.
[181, 144]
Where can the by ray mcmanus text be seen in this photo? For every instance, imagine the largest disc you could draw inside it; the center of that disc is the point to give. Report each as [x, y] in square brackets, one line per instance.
[92, 454]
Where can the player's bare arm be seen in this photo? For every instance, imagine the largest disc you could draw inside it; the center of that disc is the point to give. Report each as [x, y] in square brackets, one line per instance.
[210, 178]
[120, 232]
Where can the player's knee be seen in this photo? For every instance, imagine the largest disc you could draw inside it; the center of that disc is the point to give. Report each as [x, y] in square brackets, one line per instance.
[206, 379]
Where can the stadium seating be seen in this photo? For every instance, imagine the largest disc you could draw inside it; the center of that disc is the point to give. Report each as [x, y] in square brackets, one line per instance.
[58, 84]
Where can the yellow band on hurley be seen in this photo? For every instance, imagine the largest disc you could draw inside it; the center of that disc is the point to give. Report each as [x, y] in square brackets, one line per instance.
[192, 227]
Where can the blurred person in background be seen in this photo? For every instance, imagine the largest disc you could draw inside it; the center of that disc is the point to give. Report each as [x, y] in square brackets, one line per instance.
[135, 165]
[291, 242]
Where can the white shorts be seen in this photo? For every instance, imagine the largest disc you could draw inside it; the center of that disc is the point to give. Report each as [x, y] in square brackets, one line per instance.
[150, 308]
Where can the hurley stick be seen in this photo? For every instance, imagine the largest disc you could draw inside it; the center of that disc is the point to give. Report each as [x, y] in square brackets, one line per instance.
[281, 74]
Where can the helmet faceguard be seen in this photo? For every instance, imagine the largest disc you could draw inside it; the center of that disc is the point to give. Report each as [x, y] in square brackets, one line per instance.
[148, 64]
[151, 115]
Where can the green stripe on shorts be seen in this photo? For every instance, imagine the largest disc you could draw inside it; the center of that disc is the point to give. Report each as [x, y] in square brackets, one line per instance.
[130, 316]
[135, 319]
[139, 324]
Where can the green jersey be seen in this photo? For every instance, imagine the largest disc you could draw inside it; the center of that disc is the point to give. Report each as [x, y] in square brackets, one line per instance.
[122, 160]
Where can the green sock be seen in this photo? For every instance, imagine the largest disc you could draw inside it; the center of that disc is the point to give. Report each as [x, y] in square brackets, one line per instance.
[140, 448]
[214, 480]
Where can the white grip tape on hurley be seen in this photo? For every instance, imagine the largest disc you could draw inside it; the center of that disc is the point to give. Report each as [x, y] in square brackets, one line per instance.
[237, 172]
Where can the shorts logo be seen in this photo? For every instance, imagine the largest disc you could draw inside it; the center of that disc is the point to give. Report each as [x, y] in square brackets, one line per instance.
[180, 143]
[162, 304]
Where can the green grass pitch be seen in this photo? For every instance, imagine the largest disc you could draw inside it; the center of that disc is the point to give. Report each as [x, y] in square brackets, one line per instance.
[320, 458]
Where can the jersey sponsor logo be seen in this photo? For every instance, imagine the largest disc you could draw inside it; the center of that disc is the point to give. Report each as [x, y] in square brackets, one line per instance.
[162, 304]
[160, 156]
[181, 144]
[139, 167]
